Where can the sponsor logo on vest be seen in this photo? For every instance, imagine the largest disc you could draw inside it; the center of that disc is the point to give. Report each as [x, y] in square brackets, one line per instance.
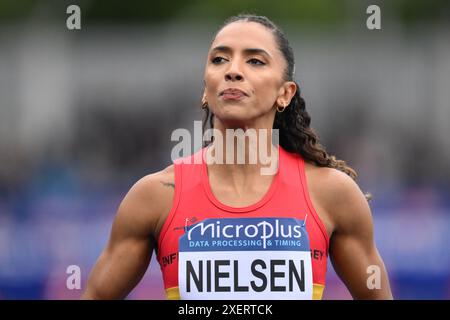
[252, 258]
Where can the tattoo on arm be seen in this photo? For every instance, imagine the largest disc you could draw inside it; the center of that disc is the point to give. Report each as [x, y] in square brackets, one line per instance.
[168, 184]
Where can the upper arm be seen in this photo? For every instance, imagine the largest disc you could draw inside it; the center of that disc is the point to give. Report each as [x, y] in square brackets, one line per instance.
[127, 255]
[353, 251]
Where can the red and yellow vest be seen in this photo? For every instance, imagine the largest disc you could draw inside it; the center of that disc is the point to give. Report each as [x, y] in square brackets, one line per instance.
[276, 248]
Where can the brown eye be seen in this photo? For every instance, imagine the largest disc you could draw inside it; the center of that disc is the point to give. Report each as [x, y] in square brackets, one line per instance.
[217, 60]
[256, 62]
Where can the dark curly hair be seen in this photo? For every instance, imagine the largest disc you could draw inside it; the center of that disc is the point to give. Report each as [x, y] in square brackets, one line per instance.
[295, 133]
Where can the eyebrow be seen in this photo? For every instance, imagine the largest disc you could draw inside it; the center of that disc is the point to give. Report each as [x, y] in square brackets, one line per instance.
[249, 51]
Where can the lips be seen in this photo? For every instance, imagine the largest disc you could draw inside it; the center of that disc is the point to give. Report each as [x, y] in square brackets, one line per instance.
[233, 94]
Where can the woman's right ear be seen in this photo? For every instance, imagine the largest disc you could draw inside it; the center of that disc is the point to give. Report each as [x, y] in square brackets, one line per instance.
[204, 99]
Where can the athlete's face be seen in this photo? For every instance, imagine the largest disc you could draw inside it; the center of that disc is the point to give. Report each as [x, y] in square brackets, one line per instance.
[245, 56]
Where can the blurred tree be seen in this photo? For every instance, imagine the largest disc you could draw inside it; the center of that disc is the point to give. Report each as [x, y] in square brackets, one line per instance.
[315, 12]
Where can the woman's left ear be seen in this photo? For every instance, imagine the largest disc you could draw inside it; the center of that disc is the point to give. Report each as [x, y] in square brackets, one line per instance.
[287, 92]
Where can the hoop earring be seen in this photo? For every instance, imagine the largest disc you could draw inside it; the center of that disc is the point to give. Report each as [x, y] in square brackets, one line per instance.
[282, 108]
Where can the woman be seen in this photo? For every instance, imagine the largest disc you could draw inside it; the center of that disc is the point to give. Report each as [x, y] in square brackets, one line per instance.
[226, 231]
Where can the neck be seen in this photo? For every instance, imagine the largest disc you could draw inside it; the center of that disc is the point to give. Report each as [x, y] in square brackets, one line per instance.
[244, 153]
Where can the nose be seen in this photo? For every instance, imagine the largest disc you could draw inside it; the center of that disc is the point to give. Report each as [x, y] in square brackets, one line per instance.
[233, 76]
[233, 73]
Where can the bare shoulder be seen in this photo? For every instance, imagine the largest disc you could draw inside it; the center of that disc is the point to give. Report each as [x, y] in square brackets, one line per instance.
[148, 201]
[337, 195]
[156, 180]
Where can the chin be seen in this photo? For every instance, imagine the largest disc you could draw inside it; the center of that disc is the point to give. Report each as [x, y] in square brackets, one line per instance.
[233, 114]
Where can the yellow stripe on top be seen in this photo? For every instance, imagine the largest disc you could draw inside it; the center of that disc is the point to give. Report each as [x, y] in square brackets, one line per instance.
[174, 294]
[318, 291]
